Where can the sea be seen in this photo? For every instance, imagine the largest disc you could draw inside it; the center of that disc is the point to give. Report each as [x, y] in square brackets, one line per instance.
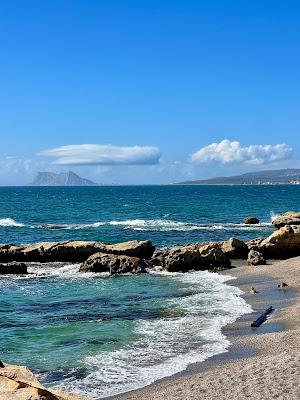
[97, 335]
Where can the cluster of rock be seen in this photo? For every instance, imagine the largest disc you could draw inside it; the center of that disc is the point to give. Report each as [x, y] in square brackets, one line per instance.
[71, 251]
[18, 382]
[137, 256]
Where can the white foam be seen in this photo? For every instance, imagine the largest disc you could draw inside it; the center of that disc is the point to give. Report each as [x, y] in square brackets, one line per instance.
[273, 215]
[169, 225]
[10, 222]
[160, 225]
[165, 346]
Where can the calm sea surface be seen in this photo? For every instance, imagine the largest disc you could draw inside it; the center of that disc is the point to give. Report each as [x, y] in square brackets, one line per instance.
[97, 335]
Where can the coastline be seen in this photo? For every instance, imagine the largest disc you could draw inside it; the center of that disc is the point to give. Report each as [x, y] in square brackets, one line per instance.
[261, 363]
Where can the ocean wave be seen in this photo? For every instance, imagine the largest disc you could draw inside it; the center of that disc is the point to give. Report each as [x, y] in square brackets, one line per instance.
[169, 225]
[160, 225]
[165, 346]
[10, 222]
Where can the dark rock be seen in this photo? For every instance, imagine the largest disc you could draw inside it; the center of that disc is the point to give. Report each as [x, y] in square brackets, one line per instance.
[13, 268]
[255, 258]
[114, 264]
[1, 364]
[251, 220]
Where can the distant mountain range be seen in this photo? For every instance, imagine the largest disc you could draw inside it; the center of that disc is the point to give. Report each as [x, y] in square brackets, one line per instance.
[272, 177]
[61, 179]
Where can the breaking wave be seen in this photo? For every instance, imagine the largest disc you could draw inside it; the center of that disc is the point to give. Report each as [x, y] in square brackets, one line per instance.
[165, 346]
[161, 225]
[9, 222]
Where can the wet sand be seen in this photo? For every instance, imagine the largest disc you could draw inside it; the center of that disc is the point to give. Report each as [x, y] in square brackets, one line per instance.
[262, 363]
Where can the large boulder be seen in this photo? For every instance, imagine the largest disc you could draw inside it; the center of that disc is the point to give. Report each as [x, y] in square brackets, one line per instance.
[283, 243]
[114, 264]
[13, 268]
[72, 250]
[288, 218]
[19, 383]
[196, 257]
[234, 248]
[251, 220]
[255, 258]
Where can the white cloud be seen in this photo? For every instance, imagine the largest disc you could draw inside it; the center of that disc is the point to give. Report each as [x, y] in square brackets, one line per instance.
[103, 154]
[229, 152]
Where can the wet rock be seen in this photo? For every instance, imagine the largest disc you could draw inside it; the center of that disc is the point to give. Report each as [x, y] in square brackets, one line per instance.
[13, 268]
[114, 264]
[251, 220]
[255, 258]
[234, 248]
[72, 251]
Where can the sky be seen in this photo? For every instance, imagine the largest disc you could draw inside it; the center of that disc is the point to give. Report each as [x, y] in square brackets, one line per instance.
[148, 91]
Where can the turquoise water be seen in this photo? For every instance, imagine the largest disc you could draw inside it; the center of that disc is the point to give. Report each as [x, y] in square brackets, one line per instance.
[98, 335]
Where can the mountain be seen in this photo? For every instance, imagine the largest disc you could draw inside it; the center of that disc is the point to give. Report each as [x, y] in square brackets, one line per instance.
[61, 179]
[272, 177]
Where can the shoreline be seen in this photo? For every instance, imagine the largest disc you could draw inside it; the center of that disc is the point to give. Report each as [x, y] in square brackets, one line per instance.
[256, 357]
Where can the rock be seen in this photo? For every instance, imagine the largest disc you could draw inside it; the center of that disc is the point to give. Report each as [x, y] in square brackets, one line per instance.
[18, 382]
[282, 285]
[254, 244]
[1, 364]
[255, 258]
[113, 263]
[13, 268]
[288, 218]
[234, 248]
[283, 243]
[196, 257]
[72, 251]
[251, 220]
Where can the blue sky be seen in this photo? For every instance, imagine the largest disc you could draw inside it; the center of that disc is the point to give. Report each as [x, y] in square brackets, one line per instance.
[148, 85]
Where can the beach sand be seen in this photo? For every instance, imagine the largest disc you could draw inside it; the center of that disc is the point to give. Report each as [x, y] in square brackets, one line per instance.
[262, 363]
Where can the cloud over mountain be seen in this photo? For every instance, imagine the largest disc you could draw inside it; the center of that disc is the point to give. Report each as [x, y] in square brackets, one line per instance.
[103, 154]
[230, 152]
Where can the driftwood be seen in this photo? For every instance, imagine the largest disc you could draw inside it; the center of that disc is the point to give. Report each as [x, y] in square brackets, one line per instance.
[262, 318]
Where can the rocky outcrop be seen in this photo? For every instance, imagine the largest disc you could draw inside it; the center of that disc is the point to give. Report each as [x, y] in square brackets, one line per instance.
[251, 220]
[13, 268]
[196, 257]
[288, 218]
[114, 264]
[234, 248]
[19, 383]
[255, 258]
[283, 243]
[72, 251]
[254, 244]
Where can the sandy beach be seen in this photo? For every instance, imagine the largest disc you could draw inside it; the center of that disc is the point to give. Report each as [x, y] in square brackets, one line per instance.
[262, 363]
